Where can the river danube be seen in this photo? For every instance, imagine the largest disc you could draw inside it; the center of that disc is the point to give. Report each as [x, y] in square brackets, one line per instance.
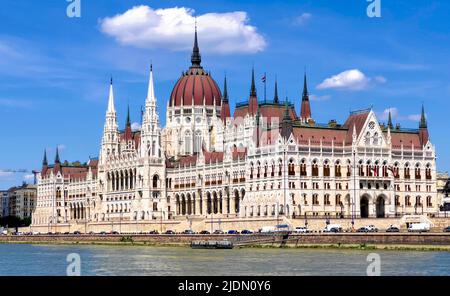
[134, 260]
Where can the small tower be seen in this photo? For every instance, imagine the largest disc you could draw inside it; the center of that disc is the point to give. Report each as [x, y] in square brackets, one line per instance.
[57, 167]
[423, 128]
[225, 109]
[150, 131]
[44, 163]
[275, 97]
[286, 124]
[390, 125]
[305, 112]
[110, 139]
[253, 100]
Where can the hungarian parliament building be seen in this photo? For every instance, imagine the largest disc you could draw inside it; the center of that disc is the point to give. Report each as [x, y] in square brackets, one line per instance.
[265, 160]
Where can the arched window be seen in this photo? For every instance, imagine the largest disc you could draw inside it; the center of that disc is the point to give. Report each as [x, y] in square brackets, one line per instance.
[187, 142]
[155, 181]
[197, 142]
[367, 138]
[375, 139]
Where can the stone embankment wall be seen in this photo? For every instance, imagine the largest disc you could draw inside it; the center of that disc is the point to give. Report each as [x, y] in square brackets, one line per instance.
[298, 239]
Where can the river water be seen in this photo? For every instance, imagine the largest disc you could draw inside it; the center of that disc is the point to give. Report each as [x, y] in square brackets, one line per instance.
[145, 260]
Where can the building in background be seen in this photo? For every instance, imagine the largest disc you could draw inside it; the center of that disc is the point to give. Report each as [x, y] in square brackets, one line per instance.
[265, 160]
[443, 190]
[4, 203]
[22, 201]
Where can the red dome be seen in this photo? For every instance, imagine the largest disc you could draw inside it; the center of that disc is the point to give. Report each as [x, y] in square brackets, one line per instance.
[197, 85]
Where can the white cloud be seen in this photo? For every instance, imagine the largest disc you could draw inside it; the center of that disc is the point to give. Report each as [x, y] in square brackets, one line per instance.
[319, 98]
[380, 79]
[351, 79]
[172, 28]
[414, 117]
[135, 126]
[62, 147]
[5, 174]
[29, 177]
[395, 115]
[385, 114]
[302, 19]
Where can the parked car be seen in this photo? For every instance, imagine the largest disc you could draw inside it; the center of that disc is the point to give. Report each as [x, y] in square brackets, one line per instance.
[114, 232]
[204, 232]
[447, 229]
[371, 228]
[419, 227]
[336, 229]
[169, 232]
[91, 232]
[218, 231]
[362, 229]
[246, 231]
[301, 229]
[233, 232]
[188, 231]
[77, 232]
[154, 232]
[333, 228]
[267, 229]
[393, 228]
[102, 232]
[66, 233]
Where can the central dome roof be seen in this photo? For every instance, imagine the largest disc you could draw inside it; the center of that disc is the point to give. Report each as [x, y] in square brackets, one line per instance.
[195, 85]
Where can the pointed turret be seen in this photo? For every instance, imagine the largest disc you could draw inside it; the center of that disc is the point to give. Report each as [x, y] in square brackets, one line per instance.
[111, 129]
[44, 161]
[57, 160]
[57, 166]
[305, 112]
[196, 58]
[128, 124]
[225, 109]
[253, 87]
[111, 108]
[423, 128]
[150, 132]
[275, 97]
[390, 125]
[151, 90]
[253, 100]
[423, 120]
[128, 131]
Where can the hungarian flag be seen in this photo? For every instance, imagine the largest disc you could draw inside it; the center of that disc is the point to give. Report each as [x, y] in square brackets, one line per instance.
[264, 78]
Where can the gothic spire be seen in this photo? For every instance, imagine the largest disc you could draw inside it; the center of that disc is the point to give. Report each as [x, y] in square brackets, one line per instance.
[253, 87]
[151, 88]
[196, 58]
[57, 156]
[225, 90]
[275, 97]
[390, 125]
[111, 108]
[305, 111]
[305, 96]
[128, 117]
[423, 120]
[45, 162]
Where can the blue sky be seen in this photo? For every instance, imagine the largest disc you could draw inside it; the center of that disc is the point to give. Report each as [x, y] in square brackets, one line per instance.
[54, 70]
